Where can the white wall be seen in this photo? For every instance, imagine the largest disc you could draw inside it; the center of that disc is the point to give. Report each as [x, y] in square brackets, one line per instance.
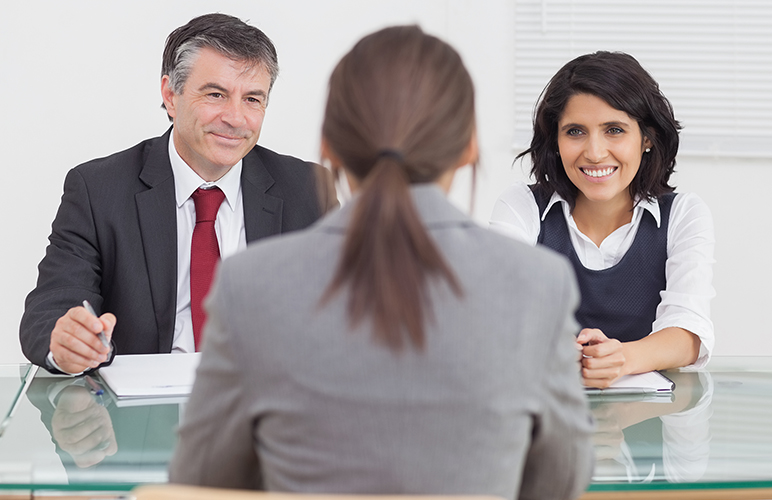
[737, 192]
[80, 80]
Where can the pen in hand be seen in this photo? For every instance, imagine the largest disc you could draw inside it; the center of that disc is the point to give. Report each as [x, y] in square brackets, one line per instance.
[101, 334]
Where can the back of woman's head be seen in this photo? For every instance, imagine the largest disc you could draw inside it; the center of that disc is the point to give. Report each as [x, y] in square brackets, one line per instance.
[621, 81]
[400, 111]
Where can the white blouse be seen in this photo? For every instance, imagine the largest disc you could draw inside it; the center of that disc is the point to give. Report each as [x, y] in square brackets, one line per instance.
[685, 302]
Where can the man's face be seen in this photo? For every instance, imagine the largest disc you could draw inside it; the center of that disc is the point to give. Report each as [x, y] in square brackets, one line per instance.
[218, 115]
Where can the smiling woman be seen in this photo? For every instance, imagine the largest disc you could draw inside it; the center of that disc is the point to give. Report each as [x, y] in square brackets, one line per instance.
[604, 146]
[601, 149]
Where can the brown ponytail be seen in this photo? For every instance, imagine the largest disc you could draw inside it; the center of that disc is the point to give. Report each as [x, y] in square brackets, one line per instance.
[400, 111]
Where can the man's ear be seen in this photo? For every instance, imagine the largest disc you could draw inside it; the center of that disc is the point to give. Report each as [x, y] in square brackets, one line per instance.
[168, 96]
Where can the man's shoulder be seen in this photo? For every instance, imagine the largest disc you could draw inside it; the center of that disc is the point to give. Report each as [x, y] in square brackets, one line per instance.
[280, 166]
[288, 177]
[129, 160]
[272, 158]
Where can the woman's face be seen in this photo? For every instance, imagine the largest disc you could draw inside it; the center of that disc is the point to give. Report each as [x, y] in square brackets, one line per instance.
[601, 149]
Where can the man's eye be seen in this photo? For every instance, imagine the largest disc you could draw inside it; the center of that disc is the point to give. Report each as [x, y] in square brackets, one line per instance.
[215, 95]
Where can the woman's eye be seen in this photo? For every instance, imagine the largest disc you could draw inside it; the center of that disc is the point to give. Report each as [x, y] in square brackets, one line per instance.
[616, 130]
[573, 131]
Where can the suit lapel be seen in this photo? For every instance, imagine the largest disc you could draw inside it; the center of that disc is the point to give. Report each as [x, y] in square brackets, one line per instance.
[262, 212]
[157, 214]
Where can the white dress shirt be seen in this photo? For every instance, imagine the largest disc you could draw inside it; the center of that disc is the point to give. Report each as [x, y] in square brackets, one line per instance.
[229, 228]
[688, 270]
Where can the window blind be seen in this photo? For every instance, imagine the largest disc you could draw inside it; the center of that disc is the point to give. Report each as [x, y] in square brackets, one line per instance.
[711, 58]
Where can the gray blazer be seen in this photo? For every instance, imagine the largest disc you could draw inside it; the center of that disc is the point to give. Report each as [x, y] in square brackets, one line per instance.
[289, 398]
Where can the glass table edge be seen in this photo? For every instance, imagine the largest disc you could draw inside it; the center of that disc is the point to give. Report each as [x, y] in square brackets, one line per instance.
[594, 487]
[713, 485]
[766, 365]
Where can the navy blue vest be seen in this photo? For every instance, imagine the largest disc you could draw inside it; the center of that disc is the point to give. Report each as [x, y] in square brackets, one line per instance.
[621, 300]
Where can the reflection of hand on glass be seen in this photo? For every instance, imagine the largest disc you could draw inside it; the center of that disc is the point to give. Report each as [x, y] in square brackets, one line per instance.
[608, 436]
[613, 457]
[686, 435]
[82, 427]
[684, 438]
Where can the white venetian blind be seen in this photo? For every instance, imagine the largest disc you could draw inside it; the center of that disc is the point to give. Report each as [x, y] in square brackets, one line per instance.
[712, 59]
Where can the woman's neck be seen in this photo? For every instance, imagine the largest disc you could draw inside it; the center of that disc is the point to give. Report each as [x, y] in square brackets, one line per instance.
[598, 219]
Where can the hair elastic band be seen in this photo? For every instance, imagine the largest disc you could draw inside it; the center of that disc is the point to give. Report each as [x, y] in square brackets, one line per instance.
[390, 153]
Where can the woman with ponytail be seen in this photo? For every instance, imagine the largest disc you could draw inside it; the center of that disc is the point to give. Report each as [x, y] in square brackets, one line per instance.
[395, 347]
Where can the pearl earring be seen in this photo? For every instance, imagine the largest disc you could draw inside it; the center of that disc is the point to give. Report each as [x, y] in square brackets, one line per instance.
[648, 150]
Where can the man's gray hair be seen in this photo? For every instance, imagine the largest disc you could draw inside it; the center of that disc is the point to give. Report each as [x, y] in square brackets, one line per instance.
[227, 35]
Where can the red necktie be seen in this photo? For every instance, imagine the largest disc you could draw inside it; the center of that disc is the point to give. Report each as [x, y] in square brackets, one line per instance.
[204, 254]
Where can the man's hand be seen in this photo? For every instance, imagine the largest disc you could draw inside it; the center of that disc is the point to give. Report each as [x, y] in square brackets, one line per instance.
[74, 342]
[603, 359]
[82, 427]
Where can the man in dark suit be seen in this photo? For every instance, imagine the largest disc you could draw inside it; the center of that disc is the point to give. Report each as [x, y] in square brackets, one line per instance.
[124, 235]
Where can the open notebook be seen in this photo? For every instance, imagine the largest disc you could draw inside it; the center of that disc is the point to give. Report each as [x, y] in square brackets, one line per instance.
[643, 383]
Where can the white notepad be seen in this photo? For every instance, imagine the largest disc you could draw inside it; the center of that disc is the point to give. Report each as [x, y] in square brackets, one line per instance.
[151, 375]
[643, 383]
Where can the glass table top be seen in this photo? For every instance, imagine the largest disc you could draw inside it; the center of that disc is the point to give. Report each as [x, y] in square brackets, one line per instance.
[714, 431]
[63, 437]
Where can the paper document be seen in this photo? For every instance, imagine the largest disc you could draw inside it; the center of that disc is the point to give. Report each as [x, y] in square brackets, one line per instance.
[151, 375]
[643, 383]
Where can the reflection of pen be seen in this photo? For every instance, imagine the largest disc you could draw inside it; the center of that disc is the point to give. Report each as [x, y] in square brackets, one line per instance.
[101, 334]
[95, 388]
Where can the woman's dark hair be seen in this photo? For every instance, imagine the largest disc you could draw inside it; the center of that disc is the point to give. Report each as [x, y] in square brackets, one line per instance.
[618, 79]
[400, 111]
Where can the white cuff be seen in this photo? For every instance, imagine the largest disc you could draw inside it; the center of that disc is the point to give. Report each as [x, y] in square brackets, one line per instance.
[50, 360]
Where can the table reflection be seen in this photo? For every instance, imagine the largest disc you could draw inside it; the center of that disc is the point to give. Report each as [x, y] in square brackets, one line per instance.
[82, 427]
[646, 438]
[714, 430]
[98, 439]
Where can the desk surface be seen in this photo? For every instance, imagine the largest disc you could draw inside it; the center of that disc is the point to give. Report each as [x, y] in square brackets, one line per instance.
[714, 432]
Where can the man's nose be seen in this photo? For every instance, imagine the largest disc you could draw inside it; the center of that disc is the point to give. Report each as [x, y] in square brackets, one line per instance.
[233, 114]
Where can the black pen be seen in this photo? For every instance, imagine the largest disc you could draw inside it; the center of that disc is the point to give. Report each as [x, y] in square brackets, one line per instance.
[101, 334]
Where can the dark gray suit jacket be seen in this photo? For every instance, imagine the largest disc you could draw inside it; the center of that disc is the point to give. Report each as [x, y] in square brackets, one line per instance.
[114, 240]
[289, 398]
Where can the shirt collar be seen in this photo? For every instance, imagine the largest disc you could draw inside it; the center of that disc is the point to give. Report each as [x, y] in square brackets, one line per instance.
[643, 204]
[186, 180]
